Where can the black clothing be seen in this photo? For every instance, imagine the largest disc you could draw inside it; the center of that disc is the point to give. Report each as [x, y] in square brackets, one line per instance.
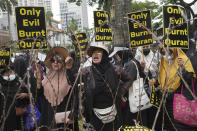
[20, 66]
[47, 112]
[9, 90]
[104, 87]
[126, 56]
[104, 65]
[99, 96]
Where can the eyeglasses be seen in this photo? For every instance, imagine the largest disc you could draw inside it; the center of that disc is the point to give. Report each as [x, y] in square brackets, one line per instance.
[58, 60]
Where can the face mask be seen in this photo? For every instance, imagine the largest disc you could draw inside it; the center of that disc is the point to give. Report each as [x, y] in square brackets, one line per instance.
[10, 77]
[146, 52]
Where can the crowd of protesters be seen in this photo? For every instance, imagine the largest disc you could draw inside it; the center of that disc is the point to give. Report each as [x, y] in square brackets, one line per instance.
[52, 95]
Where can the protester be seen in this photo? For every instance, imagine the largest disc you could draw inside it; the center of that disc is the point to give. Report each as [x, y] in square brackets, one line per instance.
[188, 76]
[21, 69]
[124, 57]
[55, 91]
[117, 55]
[29, 81]
[169, 79]
[12, 115]
[148, 60]
[102, 96]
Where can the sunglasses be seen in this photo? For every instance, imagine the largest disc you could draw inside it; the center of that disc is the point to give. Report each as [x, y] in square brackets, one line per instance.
[58, 60]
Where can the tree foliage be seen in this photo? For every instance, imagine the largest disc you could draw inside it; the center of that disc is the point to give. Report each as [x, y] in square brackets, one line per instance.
[102, 4]
[156, 11]
[187, 6]
[6, 5]
[147, 5]
[73, 25]
[49, 15]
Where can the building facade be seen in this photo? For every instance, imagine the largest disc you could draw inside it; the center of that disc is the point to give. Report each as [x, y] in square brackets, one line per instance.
[4, 16]
[69, 11]
[46, 3]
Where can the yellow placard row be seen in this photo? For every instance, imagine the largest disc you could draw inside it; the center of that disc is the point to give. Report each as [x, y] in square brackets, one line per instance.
[24, 34]
[38, 44]
[4, 53]
[176, 42]
[101, 38]
[97, 29]
[141, 42]
[2, 62]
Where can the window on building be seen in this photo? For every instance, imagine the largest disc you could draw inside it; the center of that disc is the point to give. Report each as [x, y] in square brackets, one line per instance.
[4, 14]
[32, 2]
[25, 2]
[48, 3]
[40, 1]
[19, 2]
[40, 4]
[4, 28]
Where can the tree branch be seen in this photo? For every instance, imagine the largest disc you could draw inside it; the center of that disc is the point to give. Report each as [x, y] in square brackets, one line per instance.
[192, 3]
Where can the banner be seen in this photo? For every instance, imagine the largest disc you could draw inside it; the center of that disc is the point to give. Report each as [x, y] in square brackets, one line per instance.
[83, 43]
[4, 57]
[138, 35]
[101, 26]
[178, 35]
[30, 23]
[133, 128]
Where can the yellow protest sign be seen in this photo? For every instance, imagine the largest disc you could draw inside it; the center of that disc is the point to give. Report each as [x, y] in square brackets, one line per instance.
[30, 23]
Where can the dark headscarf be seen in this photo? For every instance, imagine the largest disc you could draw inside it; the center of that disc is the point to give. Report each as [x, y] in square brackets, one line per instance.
[20, 66]
[105, 63]
[125, 55]
[76, 62]
[105, 70]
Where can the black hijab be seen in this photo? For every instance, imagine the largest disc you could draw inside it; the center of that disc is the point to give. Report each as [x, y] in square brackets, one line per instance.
[125, 55]
[20, 66]
[104, 65]
[105, 71]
